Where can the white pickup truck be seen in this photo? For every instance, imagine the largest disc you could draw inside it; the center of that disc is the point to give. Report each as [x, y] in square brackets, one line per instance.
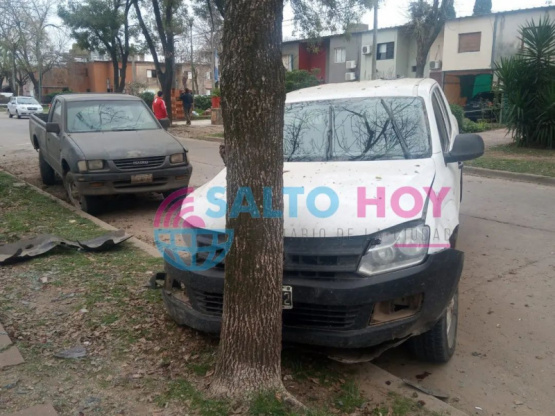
[372, 191]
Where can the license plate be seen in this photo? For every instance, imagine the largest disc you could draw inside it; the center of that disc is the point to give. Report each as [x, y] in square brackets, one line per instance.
[287, 297]
[144, 178]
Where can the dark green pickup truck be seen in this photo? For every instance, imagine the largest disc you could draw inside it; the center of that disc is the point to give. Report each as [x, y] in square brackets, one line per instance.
[106, 144]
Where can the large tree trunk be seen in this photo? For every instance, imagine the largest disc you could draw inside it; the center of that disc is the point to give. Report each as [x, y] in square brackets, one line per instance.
[253, 95]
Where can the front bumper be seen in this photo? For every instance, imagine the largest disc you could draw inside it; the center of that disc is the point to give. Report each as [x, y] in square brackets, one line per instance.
[111, 183]
[330, 312]
[29, 112]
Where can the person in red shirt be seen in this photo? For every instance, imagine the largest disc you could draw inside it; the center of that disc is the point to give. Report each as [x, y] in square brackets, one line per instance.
[159, 107]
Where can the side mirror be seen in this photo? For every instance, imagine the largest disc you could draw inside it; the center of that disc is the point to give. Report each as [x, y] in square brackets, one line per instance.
[52, 128]
[165, 122]
[466, 147]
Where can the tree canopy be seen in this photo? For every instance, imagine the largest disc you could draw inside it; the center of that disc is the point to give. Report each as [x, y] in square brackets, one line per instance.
[482, 7]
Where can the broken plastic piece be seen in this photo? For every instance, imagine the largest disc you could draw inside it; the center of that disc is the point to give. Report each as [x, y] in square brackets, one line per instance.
[32, 247]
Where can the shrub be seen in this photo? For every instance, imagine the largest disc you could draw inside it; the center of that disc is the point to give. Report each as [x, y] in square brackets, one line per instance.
[203, 102]
[458, 112]
[216, 92]
[47, 99]
[527, 81]
[469, 126]
[147, 97]
[297, 79]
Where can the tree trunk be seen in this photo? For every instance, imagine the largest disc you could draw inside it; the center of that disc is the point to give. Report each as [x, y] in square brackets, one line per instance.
[253, 95]
[421, 57]
[167, 83]
[115, 66]
[120, 86]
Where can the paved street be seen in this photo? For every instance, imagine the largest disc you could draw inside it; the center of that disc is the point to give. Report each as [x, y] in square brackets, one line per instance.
[505, 359]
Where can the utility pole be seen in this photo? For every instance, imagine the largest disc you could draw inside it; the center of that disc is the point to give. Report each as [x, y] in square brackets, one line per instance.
[192, 64]
[375, 39]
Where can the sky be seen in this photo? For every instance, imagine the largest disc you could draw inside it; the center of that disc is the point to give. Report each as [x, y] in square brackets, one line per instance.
[394, 12]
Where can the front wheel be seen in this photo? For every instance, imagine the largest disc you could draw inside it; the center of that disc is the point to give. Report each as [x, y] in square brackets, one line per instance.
[18, 115]
[87, 203]
[47, 174]
[438, 344]
[10, 115]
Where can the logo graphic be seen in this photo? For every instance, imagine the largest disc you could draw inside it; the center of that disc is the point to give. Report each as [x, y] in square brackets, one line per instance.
[181, 236]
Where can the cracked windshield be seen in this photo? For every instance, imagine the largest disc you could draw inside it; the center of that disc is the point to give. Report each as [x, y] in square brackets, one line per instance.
[356, 129]
[96, 116]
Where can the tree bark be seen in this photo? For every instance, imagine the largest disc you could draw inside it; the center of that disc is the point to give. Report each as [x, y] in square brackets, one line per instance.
[253, 96]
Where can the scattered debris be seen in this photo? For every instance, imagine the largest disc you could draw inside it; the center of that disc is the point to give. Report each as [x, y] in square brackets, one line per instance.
[432, 392]
[28, 248]
[72, 353]
[423, 375]
[518, 402]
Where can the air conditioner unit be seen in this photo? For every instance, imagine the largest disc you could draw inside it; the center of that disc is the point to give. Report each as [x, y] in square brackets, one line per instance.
[367, 50]
[351, 64]
[435, 65]
[350, 76]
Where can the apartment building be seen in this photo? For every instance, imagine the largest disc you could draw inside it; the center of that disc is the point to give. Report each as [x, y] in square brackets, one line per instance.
[462, 58]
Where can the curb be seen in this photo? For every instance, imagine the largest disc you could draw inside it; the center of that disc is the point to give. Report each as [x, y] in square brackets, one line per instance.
[502, 174]
[380, 379]
[133, 240]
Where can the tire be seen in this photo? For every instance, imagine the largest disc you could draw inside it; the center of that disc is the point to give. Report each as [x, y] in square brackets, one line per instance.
[47, 174]
[10, 115]
[18, 115]
[89, 204]
[438, 344]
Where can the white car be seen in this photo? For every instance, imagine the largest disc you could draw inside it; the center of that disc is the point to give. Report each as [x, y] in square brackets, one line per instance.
[23, 106]
[372, 192]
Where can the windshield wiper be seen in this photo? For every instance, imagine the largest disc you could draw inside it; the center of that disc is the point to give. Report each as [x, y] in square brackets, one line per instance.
[123, 129]
[400, 137]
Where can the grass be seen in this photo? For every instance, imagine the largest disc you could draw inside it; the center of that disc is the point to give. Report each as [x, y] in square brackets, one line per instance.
[512, 158]
[350, 398]
[402, 406]
[184, 391]
[135, 353]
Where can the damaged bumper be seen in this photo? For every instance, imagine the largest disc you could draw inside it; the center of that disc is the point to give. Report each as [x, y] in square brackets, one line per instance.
[348, 311]
[126, 183]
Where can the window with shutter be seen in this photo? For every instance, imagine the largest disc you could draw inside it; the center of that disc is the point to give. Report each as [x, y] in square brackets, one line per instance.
[470, 42]
[385, 51]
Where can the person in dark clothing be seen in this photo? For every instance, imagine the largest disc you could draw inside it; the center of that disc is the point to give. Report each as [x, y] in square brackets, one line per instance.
[188, 100]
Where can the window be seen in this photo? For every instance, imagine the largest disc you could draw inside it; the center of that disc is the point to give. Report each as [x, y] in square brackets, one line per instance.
[190, 75]
[470, 42]
[208, 91]
[287, 62]
[340, 55]
[385, 51]
[93, 116]
[440, 121]
[57, 113]
[208, 75]
[413, 68]
[356, 129]
[151, 73]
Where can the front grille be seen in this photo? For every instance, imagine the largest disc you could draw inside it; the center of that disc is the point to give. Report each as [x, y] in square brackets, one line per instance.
[128, 184]
[211, 303]
[306, 315]
[318, 257]
[320, 316]
[140, 163]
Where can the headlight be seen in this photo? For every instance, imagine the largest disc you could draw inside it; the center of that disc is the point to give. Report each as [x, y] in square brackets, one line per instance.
[177, 158]
[85, 165]
[396, 249]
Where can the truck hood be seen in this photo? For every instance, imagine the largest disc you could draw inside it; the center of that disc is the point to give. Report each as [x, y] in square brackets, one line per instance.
[126, 144]
[378, 179]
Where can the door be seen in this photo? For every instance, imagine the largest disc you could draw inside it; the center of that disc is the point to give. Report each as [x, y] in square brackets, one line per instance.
[53, 140]
[449, 174]
[11, 105]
